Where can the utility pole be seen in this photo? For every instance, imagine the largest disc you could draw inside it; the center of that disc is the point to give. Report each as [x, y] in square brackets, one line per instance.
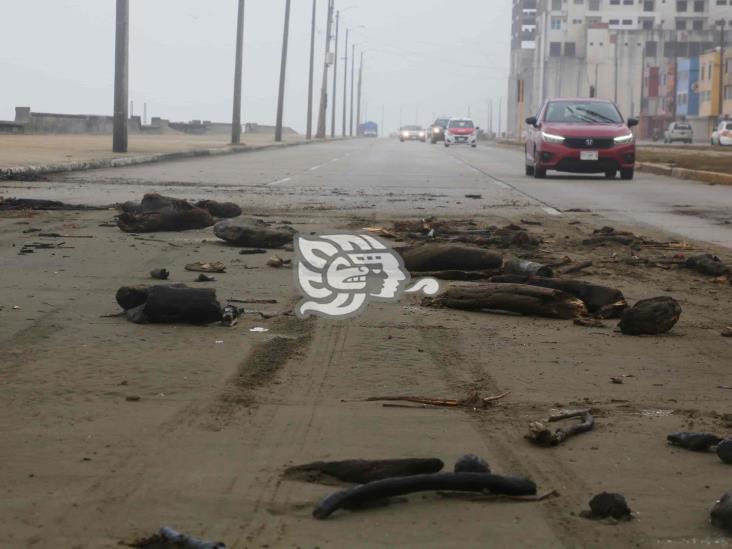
[283, 67]
[144, 114]
[353, 63]
[121, 71]
[382, 120]
[500, 115]
[358, 106]
[236, 116]
[324, 88]
[309, 131]
[335, 75]
[345, 83]
[721, 24]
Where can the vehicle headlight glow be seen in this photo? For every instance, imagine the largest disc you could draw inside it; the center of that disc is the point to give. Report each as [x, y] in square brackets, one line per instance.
[624, 139]
[551, 138]
[436, 130]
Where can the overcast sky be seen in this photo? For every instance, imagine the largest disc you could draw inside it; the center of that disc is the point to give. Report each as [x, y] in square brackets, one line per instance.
[422, 57]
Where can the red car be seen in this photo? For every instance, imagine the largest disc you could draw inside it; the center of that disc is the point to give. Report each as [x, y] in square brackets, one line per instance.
[580, 136]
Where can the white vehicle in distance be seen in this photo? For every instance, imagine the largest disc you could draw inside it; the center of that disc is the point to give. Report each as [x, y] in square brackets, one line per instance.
[461, 131]
[723, 134]
[678, 131]
[412, 133]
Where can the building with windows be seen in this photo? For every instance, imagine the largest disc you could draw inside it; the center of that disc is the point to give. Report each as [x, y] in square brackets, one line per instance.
[623, 50]
[521, 82]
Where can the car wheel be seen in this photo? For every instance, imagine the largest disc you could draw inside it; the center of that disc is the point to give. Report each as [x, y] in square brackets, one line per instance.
[529, 169]
[475, 145]
[539, 172]
[610, 174]
[627, 174]
[432, 141]
[446, 144]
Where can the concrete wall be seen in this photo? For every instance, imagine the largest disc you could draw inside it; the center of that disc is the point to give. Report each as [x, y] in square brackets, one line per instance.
[251, 127]
[43, 122]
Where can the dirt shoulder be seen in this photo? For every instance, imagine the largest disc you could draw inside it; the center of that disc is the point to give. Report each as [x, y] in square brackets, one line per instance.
[221, 411]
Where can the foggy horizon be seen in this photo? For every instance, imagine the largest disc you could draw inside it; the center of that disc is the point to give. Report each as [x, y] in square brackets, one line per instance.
[423, 58]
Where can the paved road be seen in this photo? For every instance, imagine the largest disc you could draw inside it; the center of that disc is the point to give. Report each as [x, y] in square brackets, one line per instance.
[405, 178]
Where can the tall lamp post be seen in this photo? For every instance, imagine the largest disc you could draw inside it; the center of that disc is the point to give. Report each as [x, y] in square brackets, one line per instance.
[121, 71]
[236, 117]
[283, 70]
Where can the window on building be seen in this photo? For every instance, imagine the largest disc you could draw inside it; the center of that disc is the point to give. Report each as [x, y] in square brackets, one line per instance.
[556, 5]
[649, 5]
[699, 6]
[681, 5]
[627, 22]
[579, 1]
[694, 49]
[669, 49]
[555, 49]
[647, 24]
[628, 2]
[614, 2]
[569, 49]
[697, 24]
[709, 71]
[681, 24]
[614, 21]
[721, 2]
[594, 5]
[728, 92]
[556, 23]
[651, 49]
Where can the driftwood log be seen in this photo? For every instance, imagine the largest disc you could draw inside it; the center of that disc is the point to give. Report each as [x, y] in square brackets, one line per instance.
[220, 209]
[449, 257]
[650, 316]
[42, 204]
[361, 471]
[167, 538]
[541, 434]
[609, 505]
[724, 451]
[398, 486]
[519, 298]
[594, 296]
[721, 514]
[696, 442]
[527, 268]
[707, 264]
[252, 233]
[169, 304]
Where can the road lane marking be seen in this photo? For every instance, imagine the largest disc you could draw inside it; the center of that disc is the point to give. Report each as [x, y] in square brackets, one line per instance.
[551, 211]
[314, 168]
[500, 184]
[285, 180]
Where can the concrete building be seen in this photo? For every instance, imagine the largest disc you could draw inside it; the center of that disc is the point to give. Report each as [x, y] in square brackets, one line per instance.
[623, 50]
[520, 80]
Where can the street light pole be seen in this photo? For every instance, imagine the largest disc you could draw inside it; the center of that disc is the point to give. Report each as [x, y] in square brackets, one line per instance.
[358, 105]
[353, 63]
[721, 24]
[335, 75]
[236, 117]
[324, 88]
[121, 72]
[345, 83]
[309, 131]
[283, 67]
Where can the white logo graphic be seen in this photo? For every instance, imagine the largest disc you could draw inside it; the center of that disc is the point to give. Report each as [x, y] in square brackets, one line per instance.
[339, 274]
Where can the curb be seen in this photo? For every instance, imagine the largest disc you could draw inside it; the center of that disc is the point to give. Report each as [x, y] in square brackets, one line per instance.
[714, 178]
[29, 172]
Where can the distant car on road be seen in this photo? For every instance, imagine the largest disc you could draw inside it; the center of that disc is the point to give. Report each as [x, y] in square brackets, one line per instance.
[461, 131]
[369, 129]
[678, 131]
[412, 133]
[437, 130]
[723, 134]
[580, 136]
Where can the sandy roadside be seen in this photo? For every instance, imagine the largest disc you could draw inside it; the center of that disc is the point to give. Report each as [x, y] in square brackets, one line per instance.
[221, 411]
[25, 150]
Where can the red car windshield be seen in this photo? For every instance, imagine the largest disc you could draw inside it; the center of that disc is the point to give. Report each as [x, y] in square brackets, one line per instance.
[461, 124]
[577, 112]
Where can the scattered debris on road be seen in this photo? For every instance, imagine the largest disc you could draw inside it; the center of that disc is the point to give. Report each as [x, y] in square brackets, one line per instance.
[724, 451]
[277, 262]
[361, 471]
[608, 505]
[230, 316]
[160, 274]
[518, 298]
[449, 257]
[721, 514]
[470, 463]
[253, 233]
[696, 442]
[41, 204]
[474, 196]
[527, 268]
[252, 251]
[652, 316]
[169, 304]
[206, 267]
[707, 264]
[576, 268]
[473, 400]
[157, 213]
[167, 538]
[362, 495]
[220, 209]
[542, 435]
[205, 278]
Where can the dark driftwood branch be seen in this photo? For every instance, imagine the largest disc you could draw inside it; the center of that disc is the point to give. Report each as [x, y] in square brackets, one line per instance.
[167, 537]
[361, 471]
[457, 482]
[518, 298]
[539, 432]
[576, 268]
[471, 401]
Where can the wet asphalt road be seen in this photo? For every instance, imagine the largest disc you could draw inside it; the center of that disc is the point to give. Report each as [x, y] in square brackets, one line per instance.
[392, 178]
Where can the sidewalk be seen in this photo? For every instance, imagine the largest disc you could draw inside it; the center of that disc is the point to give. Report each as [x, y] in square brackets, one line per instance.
[29, 155]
